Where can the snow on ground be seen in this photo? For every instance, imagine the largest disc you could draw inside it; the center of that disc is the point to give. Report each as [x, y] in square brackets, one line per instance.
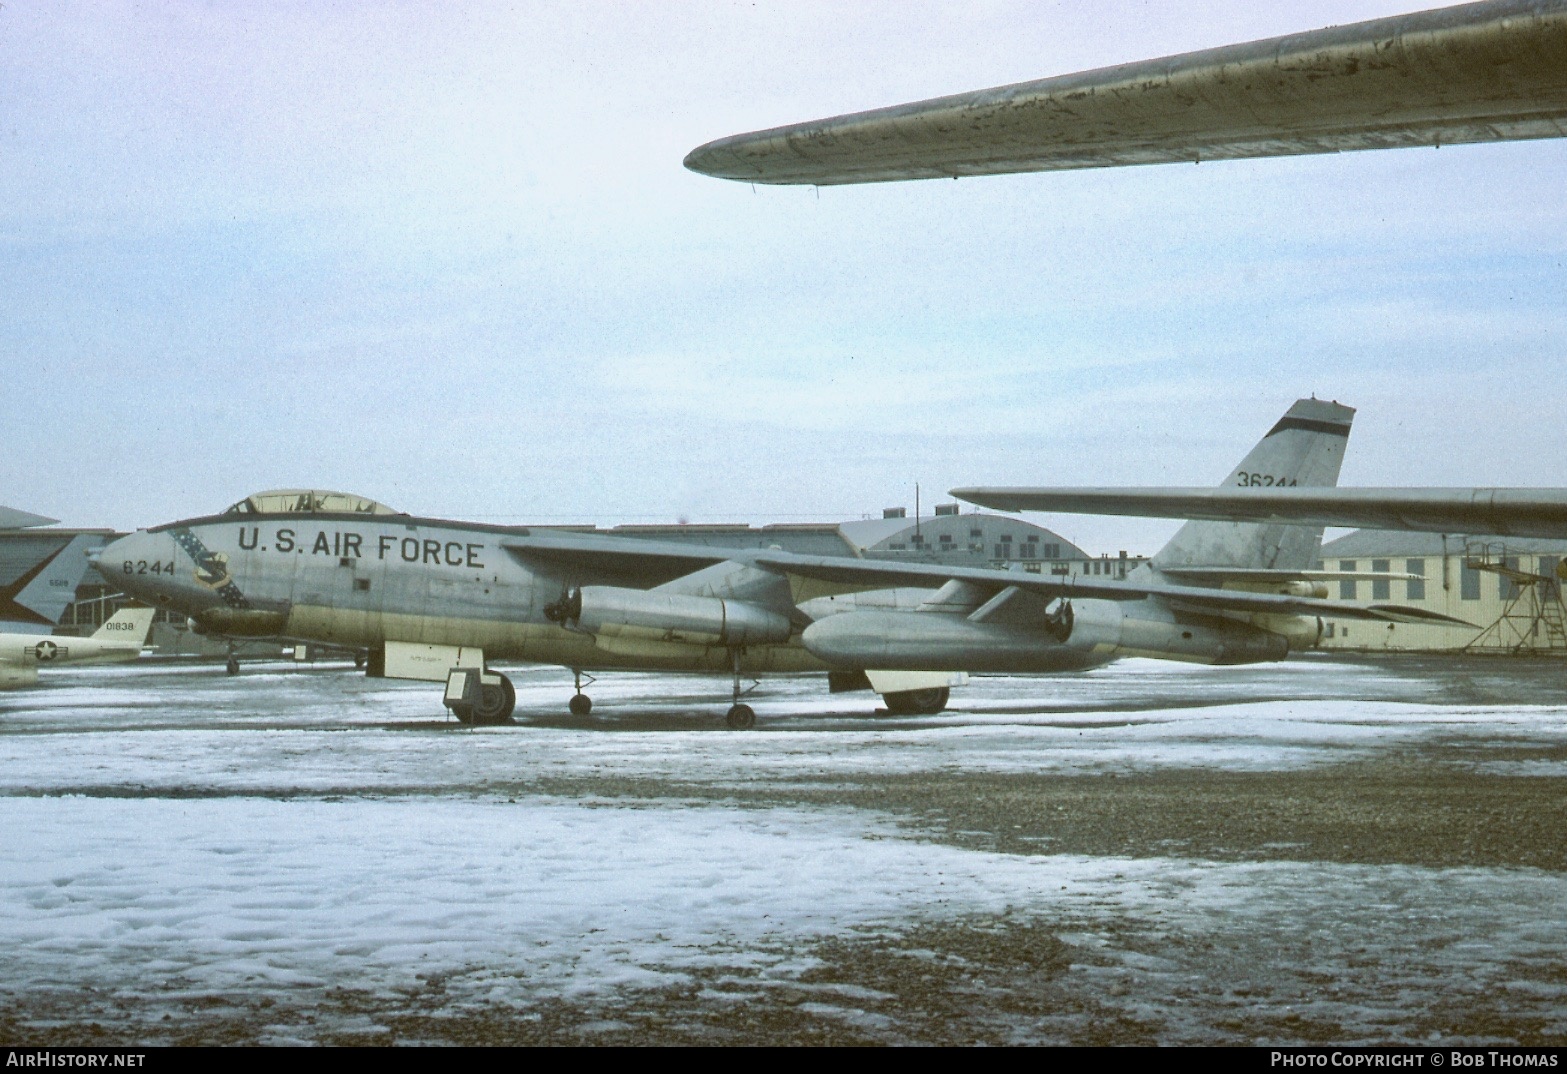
[509, 900]
[169, 830]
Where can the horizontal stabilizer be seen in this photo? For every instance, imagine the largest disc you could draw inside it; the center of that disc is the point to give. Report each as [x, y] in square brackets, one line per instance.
[12, 519]
[1253, 575]
[1402, 613]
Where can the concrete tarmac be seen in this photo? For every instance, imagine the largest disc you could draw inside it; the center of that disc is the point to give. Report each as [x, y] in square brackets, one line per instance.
[1326, 850]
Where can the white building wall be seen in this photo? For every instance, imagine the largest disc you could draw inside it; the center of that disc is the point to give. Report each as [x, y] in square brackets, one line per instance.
[1450, 587]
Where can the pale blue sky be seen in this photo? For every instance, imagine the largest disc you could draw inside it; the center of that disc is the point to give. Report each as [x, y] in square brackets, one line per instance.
[449, 258]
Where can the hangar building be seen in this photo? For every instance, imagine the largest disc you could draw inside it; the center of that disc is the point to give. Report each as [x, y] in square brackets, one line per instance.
[1510, 588]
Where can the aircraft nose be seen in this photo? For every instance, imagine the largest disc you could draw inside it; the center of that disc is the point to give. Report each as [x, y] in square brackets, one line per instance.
[142, 564]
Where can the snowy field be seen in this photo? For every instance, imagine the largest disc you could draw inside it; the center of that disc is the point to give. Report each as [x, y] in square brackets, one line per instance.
[193, 856]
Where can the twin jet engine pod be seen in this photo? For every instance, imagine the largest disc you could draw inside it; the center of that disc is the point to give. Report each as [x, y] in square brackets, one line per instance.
[1145, 629]
[1096, 632]
[613, 612]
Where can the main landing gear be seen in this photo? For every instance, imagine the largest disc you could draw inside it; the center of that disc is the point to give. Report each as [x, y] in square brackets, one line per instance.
[493, 704]
[232, 667]
[581, 704]
[739, 717]
[925, 702]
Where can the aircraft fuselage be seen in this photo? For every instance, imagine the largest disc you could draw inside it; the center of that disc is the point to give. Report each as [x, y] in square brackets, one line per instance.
[360, 581]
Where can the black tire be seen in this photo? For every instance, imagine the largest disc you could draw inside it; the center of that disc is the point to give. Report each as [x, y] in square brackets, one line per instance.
[581, 705]
[232, 667]
[740, 718]
[926, 702]
[464, 714]
[495, 703]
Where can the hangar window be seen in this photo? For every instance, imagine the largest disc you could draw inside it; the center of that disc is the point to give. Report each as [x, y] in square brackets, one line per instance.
[362, 585]
[1381, 588]
[1346, 588]
[1468, 582]
[976, 532]
[1417, 589]
[946, 538]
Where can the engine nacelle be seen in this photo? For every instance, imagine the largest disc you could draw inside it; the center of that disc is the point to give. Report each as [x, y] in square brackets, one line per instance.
[675, 618]
[1095, 632]
[1147, 629]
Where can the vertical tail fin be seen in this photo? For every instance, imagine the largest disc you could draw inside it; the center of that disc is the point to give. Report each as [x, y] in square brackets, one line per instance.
[127, 624]
[40, 594]
[1305, 448]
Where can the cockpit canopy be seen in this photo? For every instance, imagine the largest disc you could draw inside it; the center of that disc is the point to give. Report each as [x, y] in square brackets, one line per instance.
[307, 501]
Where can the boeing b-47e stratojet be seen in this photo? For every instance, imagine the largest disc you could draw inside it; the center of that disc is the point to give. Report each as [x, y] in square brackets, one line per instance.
[439, 600]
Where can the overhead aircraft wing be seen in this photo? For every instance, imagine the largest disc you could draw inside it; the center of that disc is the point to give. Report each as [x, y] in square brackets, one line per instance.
[1506, 512]
[1493, 71]
[879, 573]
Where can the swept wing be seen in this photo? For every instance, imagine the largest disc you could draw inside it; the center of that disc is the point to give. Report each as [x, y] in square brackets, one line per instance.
[1493, 71]
[1506, 512]
[668, 560]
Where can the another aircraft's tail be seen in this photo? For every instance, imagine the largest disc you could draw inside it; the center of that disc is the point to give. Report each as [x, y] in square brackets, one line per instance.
[1305, 448]
[40, 594]
[127, 624]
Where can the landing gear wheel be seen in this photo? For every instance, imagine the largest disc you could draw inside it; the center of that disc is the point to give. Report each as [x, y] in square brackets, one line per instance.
[581, 705]
[232, 667]
[740, 717]
[926, 702]
[495, 703]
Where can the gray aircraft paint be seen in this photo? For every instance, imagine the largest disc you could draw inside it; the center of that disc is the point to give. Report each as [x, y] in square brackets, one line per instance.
[1484, 72]
[46, 568]
[1505, 512]
[285, 565]
[971, 628]
[1304, 449]
[360, 581]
